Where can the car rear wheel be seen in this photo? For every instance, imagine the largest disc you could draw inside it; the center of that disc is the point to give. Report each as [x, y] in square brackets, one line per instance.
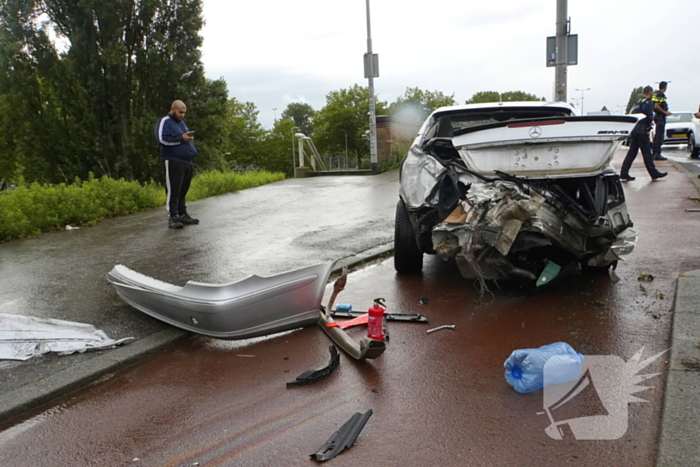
[693, 149]
[408, 258]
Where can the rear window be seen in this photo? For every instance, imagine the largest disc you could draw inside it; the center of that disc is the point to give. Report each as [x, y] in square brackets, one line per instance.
[446, 124]
[680, 117]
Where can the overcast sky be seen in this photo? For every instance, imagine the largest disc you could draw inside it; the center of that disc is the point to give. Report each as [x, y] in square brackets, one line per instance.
[274, 52]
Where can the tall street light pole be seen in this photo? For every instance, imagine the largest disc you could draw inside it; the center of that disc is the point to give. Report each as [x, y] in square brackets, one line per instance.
[294, 155]
[274, 113]
[346, 148]
[562, 54]
[372, 115]
[582, 91]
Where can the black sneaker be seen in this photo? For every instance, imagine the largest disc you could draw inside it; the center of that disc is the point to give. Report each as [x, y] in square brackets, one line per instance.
[175, 223]
[660, 175]
[660, 158]
[627, 178]
[185, 219]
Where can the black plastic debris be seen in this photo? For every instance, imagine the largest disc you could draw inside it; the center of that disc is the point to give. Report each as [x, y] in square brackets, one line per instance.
[423, 300]
[343, 438]
[411, 318]
[314, 376]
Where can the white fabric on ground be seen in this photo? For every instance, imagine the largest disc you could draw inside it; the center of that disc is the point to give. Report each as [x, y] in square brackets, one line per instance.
[24, 337]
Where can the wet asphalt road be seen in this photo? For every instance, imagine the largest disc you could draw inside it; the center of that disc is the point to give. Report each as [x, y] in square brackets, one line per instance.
[259, 231]
[437, 399]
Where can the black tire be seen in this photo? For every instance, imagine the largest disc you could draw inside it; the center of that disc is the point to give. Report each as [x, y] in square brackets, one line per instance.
[408, 258]
[693, 149]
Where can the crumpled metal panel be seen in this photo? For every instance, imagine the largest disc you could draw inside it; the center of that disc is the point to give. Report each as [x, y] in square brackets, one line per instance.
[496, 211]
[419, 177]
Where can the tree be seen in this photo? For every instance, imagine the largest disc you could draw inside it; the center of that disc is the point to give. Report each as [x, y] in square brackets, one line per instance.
[277, 148]
[243, 134]
[346, 111]
[92, 107]
[27, 95]
[302, 114]
[416, 104]
[635, 96]
[510, 96]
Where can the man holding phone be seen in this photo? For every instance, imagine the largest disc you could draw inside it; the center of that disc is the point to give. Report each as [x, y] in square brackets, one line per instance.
[177, 150]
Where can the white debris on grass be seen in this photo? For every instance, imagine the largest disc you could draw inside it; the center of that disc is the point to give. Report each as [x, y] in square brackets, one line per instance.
[24, 337]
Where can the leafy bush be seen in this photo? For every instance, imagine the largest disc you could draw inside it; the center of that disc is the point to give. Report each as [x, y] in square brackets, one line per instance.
[214, 182]
[33, 209]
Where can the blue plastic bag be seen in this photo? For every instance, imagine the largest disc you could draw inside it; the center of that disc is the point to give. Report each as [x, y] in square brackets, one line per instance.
[525, 367]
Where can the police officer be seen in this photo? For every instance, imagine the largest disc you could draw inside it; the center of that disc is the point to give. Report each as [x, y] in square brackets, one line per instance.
[660, 113]
[639, 139]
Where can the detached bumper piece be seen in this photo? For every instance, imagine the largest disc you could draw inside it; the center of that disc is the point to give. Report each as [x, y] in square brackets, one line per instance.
[357, 349]
[314, 376]
[343, 438]
[251, 307]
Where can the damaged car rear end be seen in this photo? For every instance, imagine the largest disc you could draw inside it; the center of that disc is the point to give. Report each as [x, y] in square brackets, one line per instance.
[518, 190]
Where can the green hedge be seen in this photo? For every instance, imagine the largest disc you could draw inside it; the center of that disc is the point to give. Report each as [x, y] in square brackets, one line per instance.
[31, 210]
[214, 183]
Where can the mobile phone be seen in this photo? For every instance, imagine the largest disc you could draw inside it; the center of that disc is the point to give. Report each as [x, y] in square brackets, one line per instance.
[190, 133]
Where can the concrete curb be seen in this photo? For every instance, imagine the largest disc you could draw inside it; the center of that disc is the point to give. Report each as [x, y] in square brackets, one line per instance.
[693, 177]
[75, 377]
[361, 259]
[678, 441]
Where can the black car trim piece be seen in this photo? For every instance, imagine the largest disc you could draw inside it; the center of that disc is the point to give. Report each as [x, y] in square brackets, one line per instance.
[343, 438]
[410, 318]
[314, 376]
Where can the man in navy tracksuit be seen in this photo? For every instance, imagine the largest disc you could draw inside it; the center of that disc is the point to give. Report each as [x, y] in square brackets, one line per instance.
[639, 139]
[177, 150]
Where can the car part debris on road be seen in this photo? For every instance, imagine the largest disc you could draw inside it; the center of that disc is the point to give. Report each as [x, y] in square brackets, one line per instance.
[525, 368]
[446, 326]
[362, 319]
[314, 376]
[251, 307]
[357, 349]
[406, 317]
[343, 438]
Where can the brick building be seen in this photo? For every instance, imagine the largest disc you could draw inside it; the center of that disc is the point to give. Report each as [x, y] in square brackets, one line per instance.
[394, 137]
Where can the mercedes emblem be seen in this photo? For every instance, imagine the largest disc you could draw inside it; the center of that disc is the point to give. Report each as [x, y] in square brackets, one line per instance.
[535, 132]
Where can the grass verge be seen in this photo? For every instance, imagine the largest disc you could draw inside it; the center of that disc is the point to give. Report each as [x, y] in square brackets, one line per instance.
[36, 208]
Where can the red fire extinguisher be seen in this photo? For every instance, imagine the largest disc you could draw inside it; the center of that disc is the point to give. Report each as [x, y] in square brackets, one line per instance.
[376, 321]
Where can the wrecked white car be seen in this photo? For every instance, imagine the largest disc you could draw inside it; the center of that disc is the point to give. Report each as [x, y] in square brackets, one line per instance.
[514, 190]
